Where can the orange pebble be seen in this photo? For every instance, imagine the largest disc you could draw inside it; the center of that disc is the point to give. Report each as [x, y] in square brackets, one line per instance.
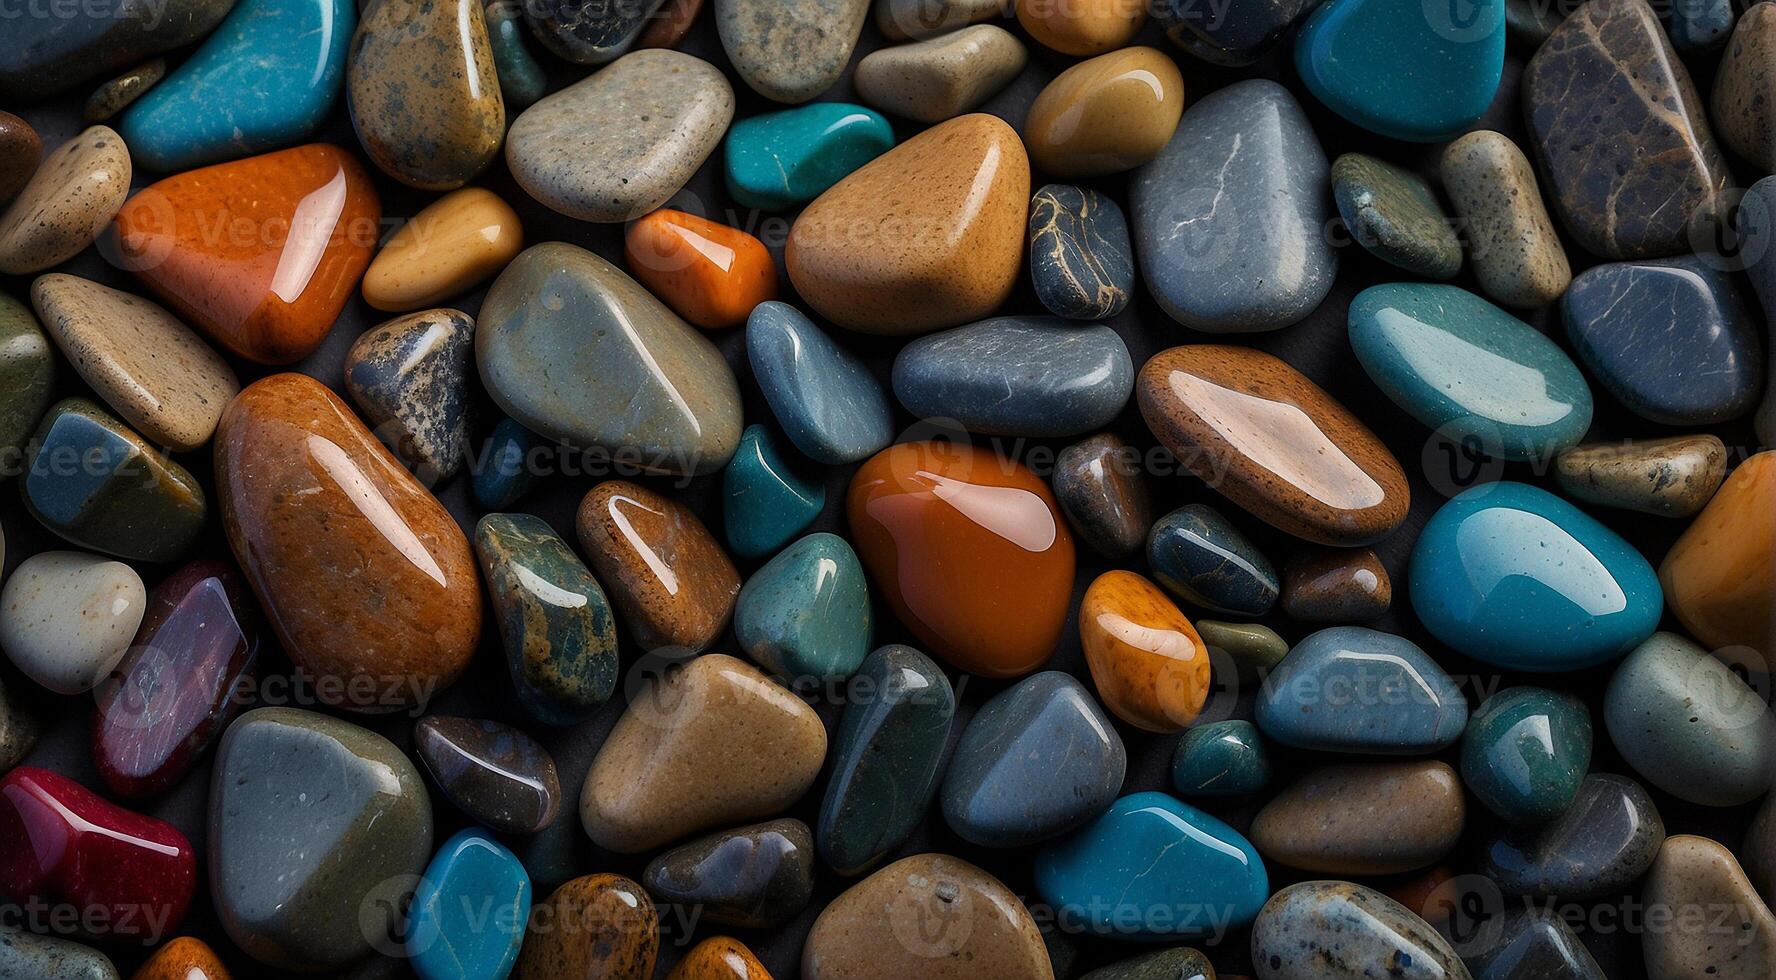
[184, 958]
[719, 958]
[1720, 577]
[1150, 666]
[711, 274]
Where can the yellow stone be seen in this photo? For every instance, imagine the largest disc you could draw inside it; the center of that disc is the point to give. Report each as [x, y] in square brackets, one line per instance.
[1720, 577]
[1082, 27]
[1103, 116]
[459, 240]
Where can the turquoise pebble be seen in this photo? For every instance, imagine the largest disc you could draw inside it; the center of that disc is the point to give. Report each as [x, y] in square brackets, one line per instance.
[781, 159]
[806, 613]
[764, 502]
[506, 469]
[1354, 689]
[1222, 758]
[469, 911]
[1525, 753]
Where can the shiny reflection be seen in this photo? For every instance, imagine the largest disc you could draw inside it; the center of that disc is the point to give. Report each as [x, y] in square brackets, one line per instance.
[638, 542]
[1193, 832]
[312, 227]
[1017, 515]
[1169, 643]
[1544, 558]
[372, 505]
[1487, 385]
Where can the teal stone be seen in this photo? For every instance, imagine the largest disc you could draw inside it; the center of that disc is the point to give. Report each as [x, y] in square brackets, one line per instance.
[1525, 753]
[887, 755]
[1404, 68]
[1222, 758]
[764, 501]
[828, 403]
[781, 159]
[1153, 868]
[469, 911]
[1476, 374]
[806, 614]
[265, 80]
[522, 81]
[508, 467]
[1517, 577]
[1354, 689]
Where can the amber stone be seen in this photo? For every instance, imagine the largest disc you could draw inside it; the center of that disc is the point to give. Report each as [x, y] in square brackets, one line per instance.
[367, 580]
[1103, 116]
[667, 575]
[1335, 585]
[709, 273]
[1720, 577]
[600, 925]
[1082, 27]
[969, 550]
[719, 958]
[453, 244]
[261, 254]
[185, 958]
[1372, 818]
[1150, 666]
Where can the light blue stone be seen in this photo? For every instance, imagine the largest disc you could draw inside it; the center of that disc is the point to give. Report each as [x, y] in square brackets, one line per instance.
[1153, 868]
[828, 403]
[1354, 689]
[765, 502]
[781, 159]
[1517, 577]
[266, 79]
[806, 614]
[1473, 372]
[469, 911]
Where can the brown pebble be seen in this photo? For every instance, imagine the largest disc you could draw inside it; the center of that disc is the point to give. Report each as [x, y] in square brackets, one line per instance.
[1672, 477]
[1715, 927]
[1371, 818]
[719, 958]
[599, 925]
[1511, 240]
[1103, 116]
[115, 95]
[1335, 585]
[672, 582]
[20, 149]
[1744, 100]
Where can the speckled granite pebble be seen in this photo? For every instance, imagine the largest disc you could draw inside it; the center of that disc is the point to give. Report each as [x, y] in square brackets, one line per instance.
[409, 377]
[930, 81]
[1516, 252]
[72, 196]
[1394, 214]
[1670, 477]
[115, 95]
[790, 50]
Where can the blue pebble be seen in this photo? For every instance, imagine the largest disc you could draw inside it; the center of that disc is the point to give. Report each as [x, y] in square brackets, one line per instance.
[469, 911]
[806, 614]
[1081, 261]
[1200, 557]
[1354, 689]
[506, 469]
[1221, 758]
[1017, 376]
[765, 503]
[827, 402]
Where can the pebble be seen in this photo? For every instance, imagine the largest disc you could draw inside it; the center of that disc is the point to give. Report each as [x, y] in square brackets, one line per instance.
[185, 958]
[790, 50]
[494, 773]
[778, 160]
[69, 199]
[1670, 477]
[1081, 27]
[66, 618]
[1526, 752]
[765, 501]
[1598, 848]
[44, 55]
[508, 467]
[1372, 818]
[969, 551]
[806, 614]
[719, 958]
[1393, 213]
[1180, 963]
[755, 877]
[368, 581]
[1081, 260]
[1230, 218]
[827, 401]
[20, 148]
[670, 24]
[1337, 929]
[945, 215]
[621, 142]
[943, 77]
[469, 911]
[21, 723]
[1273, 442]
[267, 78]
[580, 353]
[713, 743]
[1204, 559]
[227, 286]
[1745, 87]
[521, 80]
[1253, 649]
[1238, 35]
[117, 94]
[902, 20]
[410, 378]
[27, 373]
[670, 580]
[449, 247]
[1733, 937]
[1221, 758]
[149, 367]
[1515, 251]
[1354, 689]
[28, 955]
[1100, 486]
[588, 32]
[1759, 848]
[709, 273]
[1532, 943]
[1111, 113]
[1017, 375]
[1719, 576]
[1329, 585]
[1148, 663]
[619, 935]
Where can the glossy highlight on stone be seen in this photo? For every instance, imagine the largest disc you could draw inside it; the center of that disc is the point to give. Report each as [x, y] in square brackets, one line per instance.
[1334, 585]
[668, 577]
[448, 247]
[469, 911]
[1221, 758]
[753, 877]
[1718, 577]
[1202, 558]
[1106, 115]
[66, 203]
[492, 772]
[1081, 261]
[1372, 818]
[824, 397]
[185, 958]
[765, 501]
[1101, 488]
[66, 618]
[806, 614]
[709, 273]
[1393, 213]
[1526, 752]
[618, 934]
[942, 77]
[409, 377]
[1671, 477]
[1599, 847]
[1318, 927]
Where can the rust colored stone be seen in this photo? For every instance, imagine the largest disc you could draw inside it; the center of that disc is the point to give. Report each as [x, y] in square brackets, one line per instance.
[600, 925]
[184, 958]
[670, 579]
[719, 958]
[709, 273]
[1720, 577]
[670, 24]
[1335, 585]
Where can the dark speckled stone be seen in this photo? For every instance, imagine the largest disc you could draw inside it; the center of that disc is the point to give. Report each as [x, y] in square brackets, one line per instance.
[1599, 847]
[27, 375]
[1532, 945]
[589, 32]
[1335, 585]
[1744, 100]
[20, 149]
[1698, 28]
[492, 772]
[1017, 375]
[755, 877]
[43, 50]
[1099, 485]
[409, 377]
[1394, 214]
[1336, 929]
[1182, 963]
[1230, 34]
[1080, 257]
[1203, 559]
[1222, 758]
[1525, 753]
[115, 95]
[27, 956]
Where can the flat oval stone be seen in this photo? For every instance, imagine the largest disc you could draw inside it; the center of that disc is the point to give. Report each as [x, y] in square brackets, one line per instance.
[1036, 761]
[1204, 559]
[449, 247]
[588, 32]
[69, 199]
[119, 93]
[42, 55]
[1514, 576]
[409, 376]
[1080, 258]
[26, 954]
[940, 78]
[765, 501]
[522, 80]
[1642, 180]
[1253, 648]
[20, 148]
[1525, 753]
[1273, 442]
[887, 755]
[755, 877]
[709, 744]
[1354, 689]
[267, 78]
[1372, 818]
[1599, 847]
[578, 352]
[965, 185]
[27, 373]
[1085, 27]
[1330, 585]
[719, 958]
[968, 550]
[709, 273]
[621, 142]
[1733, 937]
[1744, 89]
[1149, 665]
[1221, 758]
[1469, 370]
[309, 814]
[494, 773]
[828, 403]
[1515, 251]
[1533, 943]
[1238, 35]
[790, 50]
[367, 580]
[1340, 929]
[778, 160]
[1230, 218]
[1100, 486]
[1105, 115]
[1670, 477]
[1718, 577]
[1393, 213]
[1153, 868]
[1014, 375]
[67, 617]
[469, 911]
[806, 614]
[618, 933]
[669, 578]
[507, 468]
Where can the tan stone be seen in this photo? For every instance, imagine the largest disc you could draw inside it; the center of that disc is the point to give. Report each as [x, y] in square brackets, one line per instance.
[934, 80]
[1744, 103]
[1112, 113]
[74, 194]
[913, 20]
[1714, 925]
[1082, 27]
[449, 247]
[1516, 252]
[1372, 818]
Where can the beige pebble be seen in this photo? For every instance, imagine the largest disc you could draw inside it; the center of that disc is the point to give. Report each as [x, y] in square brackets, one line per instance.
[1744, 102]
[1516, 252]
[1671, 477]
[452, 245]
[1372, 818]
[67, 617]
[915, 20]
[1103, 116]
[934, 80]
[1082, 27]
[1715, 925]
[74, 194]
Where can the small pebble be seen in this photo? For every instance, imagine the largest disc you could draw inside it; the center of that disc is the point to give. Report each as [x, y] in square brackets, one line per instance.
[1331, 585]
[946, 76]
[1670, 477]
[115, 95]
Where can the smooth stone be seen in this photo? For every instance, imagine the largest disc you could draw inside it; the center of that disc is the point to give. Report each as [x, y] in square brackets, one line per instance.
[671, 581]
[267, 78]
[1744, 101]
[790, 50]
[944, 213]
[755, 877]
[1017, 375]
[507, 467]
[45, 51]
[1699, 28]
[1393, 213]
[492, 772]
[1645, 178]
[1146, 660]
[624, 140]
[185, 958]
[522, 81]
[618, 933]
[1081, 27]
[1354, 689]
[469, 910]
[366, 579]
[1111, 113]
[68, 201]
[709, 273]
[21, 722]
[1532, 945]
[27, 373]
[941, 78]
[719, 958]
[409, 376]
[1273, 442]
[1334, 930]
[28, 956]
[99, 486]
[1328, 585]
[1718, 928]
[183, 679]
[589, 32]
[805, 616]
[1758, 850]
[1221, 758]
[1372, 818]
[1525, 753]
[1689, 725]
[670, 24]
[1719, 576]
[1237, 35]
[580, 353]
[1513, 248]
[20, 148]
[449, 247]
[1673, 340]
[228, 286]
[1153, 868]
[66, 618]
[1036, 761]
[1182, 963]
[1597, 848]
[765, 501]
[1670, 477]
[1253, 649]
[1475, 374]
[117, 94]
[1081, 260]
[713, 743]
[903, 20]
[1100, 486]
[149, 367]
[969, 551]
[930, 916]
[1204, 559]
[778, 160]
[1230, 218]
[1514, 576]
[888, 753]
[827, 401]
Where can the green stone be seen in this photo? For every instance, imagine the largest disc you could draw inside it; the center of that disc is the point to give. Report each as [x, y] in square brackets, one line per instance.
[27, 373]
[1525, 752]
[1223, 758]
[806, 614]
[765, 502]
[1182, 963]
[1394, 214]
[522, 80]
[1252, 647]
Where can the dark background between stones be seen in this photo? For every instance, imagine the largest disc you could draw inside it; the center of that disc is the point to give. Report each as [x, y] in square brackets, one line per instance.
[1317, 346]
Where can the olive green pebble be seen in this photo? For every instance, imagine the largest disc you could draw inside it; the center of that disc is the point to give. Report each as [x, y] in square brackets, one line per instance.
[1253, 649]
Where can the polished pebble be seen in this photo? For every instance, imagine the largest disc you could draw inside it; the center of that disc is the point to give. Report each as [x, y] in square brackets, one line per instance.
[67, 618]
[185, 958]
[449, 247]
[494, 773]
[672, 21]
[1100, 486]
[1531, 943]
[1014, 375]
[1515, 251]
[20, 148]
[778, 160]
[1239, 35]
[117, 94]
[753, 877]
[805, 616]
[1393, 213]
[709, 273]
[1670, 477]
[1734, 937]
[468, 913]
[1354, 689]
[719, 958]
[1525, 753]
[21, 721]
[27, 373]
[1599, 847]
[1373, 818]
[1337, 929]
[1331, 585]
[1146, 660]
[901, 20]
[824, 397]
[508, 465]
[1112, 113]
[1745, 89]
[1719, 576]
[1180, 963]
[1081, 261]
[522, 80]
[668, 576]
[1221, 758]
[68, 201]
[1081, 27]
[410, 379]
[43, 55]
[766, 501]
[790, 50]
[424, 93]
[1203, 559]
[1252, 649]
[618, 934]
[943, 77]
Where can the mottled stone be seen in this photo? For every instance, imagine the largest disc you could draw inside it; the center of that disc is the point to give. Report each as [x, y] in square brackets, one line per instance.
[469, 910]
[46, 51]
[1393, 213]
[1718, 928]
[765, 501]
[20, 147]
[522, 80]
[28, 956]
[69, 199]
[756, 877]
[1670, 477]
[778, 160]
[1516, 253]
[1699, 28]
[1013, 375]
[589, 32]
[1718, 577]
[805, 616]
[409, 377]
[1204, 559]
[492, 772]
[508, 466]
[423, 91]
[1354, 689]
[1744, 100]
[1528, 944]
[116, 95]
[1525, 753]
[1221, 758]
[21, 723]
[1372, 818]
[790, 50]
[1080, 258]
[711, 274]
[447, 248]
[599, 925]
[1336, 930]
[27, 374]
[827, 401]
[1102, 489]
[668, 577]
[1149, 666]
[1081, 27]
[66, 618]
[1328, 585]
[1236, 35]
[1598, 848]
[943, 77]
[1106, 115]
[719, 958]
